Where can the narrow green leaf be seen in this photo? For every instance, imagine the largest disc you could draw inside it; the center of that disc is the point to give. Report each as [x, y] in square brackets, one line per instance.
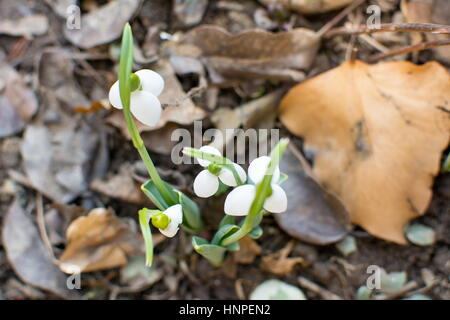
[125, 66]
[227, 220]
[256, 232]
[150, 190]
[224, 232]
[446, 166]
[144, 218]
[192, 217]
[213, 253]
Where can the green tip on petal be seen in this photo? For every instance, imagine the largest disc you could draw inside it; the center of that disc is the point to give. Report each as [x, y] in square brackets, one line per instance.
[160, 221]
[135, 82]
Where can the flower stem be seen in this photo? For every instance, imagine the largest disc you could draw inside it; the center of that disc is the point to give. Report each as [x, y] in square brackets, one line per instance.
[126, 63]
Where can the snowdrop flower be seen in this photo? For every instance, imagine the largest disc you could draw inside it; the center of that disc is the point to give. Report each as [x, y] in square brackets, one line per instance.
[206, 183]
[168, 221]
[239, 200]
[144, 104]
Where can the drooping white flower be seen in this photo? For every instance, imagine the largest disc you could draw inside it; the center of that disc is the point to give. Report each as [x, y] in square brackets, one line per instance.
[206, 183]
[175, 215]
[239, 200]
[144, 104]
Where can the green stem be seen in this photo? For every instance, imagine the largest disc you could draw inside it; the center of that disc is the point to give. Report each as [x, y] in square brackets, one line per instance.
[126, 63]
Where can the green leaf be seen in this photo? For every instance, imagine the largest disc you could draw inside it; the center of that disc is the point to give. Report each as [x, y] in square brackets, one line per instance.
[256, 232]
[144, 217]
[150, 190]
[224, 232]
[192, 217]
[227, 220]
[213, 253]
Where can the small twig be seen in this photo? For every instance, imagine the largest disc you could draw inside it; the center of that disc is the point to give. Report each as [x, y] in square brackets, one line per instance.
[324, 293]
[390, 27]
[327, 27]
[41, 225]
[409, 49]
[393, 295]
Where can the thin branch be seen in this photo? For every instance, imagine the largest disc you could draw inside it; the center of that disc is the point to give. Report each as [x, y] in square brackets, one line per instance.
[408, 49]
[327, 27]
[390, 27]
[324, 293]
[41, 225]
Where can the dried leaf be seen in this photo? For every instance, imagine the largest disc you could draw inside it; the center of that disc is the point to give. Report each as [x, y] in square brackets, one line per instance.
[18, 103]
[28, 255]
[102, 25]
[252, 54]
[278, 263]
[60, 159]
[27, 26]
[99, 241]
[190, 12]
[376, 133]
[249, 250]
[309, 6]
[121, 186]
[313, 215]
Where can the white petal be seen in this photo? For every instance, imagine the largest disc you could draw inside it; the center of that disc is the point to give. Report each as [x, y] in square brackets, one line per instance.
[258, 167]
[239, 200]
[208, 149]
[151, 81]
[145, 107]
[227, 177]
[206, 184]
[175, 213]
[277, 202]
[114, 96]
[171, 229]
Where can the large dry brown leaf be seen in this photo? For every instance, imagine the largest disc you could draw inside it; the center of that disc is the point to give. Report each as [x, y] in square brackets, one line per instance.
[251, 54]
[310, 6]
[18, 103]
[28, 255]
[102, 25]
[99, 241]
[376, 133]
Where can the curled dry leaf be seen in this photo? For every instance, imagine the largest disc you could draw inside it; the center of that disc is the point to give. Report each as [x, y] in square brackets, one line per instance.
[120, 186]
[27, 26]
[99, 241]
[249, 250]
[251, 54]
[279, 263]
[313, 215]
[309, 6]
[102, 25]
[28, 255]
[18, 103]
[181, 109]
[376, 133]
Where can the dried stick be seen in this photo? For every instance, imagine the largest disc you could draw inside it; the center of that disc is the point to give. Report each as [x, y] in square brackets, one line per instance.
[390, 27]
[327, 27]
[324, 293]
[408, 49]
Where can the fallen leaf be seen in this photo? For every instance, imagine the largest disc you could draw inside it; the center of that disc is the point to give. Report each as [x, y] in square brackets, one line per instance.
[376, 133]
[99, 241]
[60, 159]
[309, 6]
[249, 250]
[61, 6]
[18, 103]
[27, 26]
[251, 54]
[313, 215]
[189, 12]
[160, 140]
[102, 25]
[181, 109]
[28, 255]
[278, 263]
[120, 186]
